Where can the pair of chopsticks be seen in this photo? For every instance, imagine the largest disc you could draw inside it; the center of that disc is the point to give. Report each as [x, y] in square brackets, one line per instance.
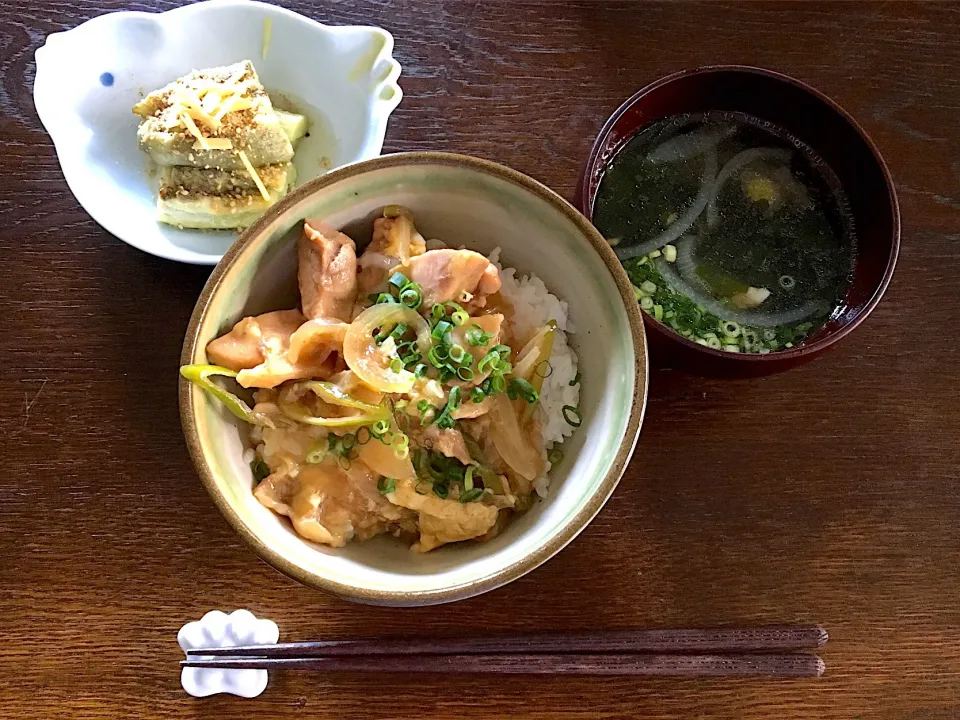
[771, 651]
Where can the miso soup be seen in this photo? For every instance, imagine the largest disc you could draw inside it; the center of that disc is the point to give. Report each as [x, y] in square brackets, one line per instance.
[734, 234]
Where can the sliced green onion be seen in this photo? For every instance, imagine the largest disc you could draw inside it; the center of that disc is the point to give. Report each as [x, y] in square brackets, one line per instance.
[576, 379]
[347, 442]
[648, 287]
[476, 336]
[465, 373]
[438, 313]
[398, 280]
[411, 296]
[731, 348]
[420, 371]
[380, 428]
[401, 446]
[363, 436]
[344, 462]
[260, 470]
[460, 317]
[453, 400]
[433, 355]
[555, 457]
[730, 328]
[658, 312]
[445, 420]
[441, 490]
[543, 369]
[637, 293]
[398, 331]
[670, 253]
[493, 360]
[498, 382]
[518, 387]
[471, 495]
[385, 298]
[477, 395]
[711, 340]
[386, 485]
[571, 415]
[468, 478]
[333, 444]
[646, 302]
[441, 329]
[457, 353]
[200, 375]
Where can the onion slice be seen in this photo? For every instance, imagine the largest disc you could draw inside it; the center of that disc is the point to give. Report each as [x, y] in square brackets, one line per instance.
[367, 360]
[686, 265]
[511, 441]
[681, 224]
[755, 319]
[689, 145]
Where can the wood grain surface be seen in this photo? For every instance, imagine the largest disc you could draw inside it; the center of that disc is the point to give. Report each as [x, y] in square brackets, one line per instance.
[825, 495]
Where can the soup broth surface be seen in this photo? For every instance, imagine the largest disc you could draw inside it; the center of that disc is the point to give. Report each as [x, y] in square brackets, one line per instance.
[734, 233]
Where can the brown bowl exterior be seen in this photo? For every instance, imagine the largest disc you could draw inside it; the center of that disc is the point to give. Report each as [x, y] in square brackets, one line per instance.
[831, 132]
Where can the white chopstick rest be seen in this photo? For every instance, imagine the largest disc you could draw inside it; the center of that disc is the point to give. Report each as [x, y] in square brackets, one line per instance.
[217, 629]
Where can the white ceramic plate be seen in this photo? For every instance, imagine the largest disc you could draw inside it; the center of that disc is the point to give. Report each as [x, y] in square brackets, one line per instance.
[343, 78]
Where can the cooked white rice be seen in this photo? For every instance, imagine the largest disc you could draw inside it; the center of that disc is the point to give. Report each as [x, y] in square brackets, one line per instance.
[534, 306]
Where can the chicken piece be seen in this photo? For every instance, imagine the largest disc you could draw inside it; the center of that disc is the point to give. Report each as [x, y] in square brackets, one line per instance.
[443, 521]
[245, 345]
[332, 506]
[327, 261]
[468, 410]
[478, 430]
[394, 239]
[454, 275]
[449, 442]
[313, 350]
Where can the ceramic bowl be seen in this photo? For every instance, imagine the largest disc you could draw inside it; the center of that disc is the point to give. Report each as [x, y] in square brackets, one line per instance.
[480, 205]
[88, 79]
[824, 126]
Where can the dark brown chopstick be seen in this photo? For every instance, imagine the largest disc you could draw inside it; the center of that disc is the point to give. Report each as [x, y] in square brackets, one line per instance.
[723, 640]
[796, 665]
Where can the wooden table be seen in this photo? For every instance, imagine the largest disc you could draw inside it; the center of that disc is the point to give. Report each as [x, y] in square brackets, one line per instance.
[828, 494]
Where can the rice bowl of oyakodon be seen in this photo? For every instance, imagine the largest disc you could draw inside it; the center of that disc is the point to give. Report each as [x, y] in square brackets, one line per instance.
[414, 380]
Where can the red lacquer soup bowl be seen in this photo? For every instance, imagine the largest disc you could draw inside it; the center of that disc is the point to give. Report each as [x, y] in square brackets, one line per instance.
[831, 132]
